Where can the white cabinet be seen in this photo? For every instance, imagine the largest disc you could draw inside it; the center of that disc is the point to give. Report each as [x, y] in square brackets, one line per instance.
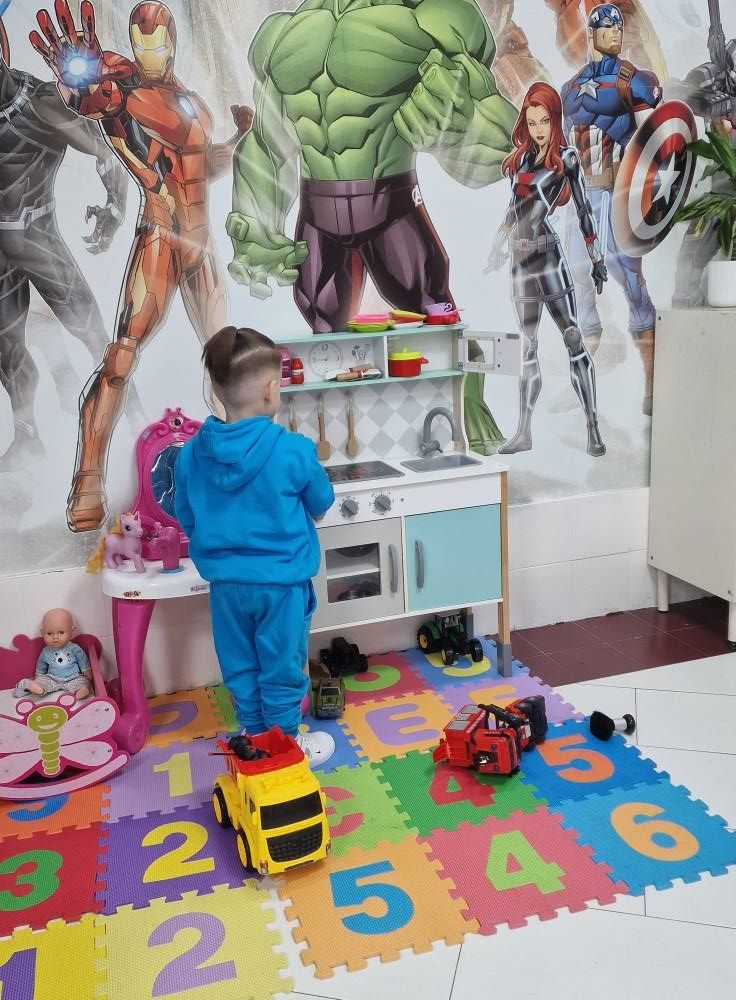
[692, 520]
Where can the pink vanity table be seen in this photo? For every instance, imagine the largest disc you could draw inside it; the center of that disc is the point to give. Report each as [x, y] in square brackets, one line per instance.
[134, 595]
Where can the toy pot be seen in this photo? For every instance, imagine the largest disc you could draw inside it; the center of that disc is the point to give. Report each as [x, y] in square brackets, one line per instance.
[405, 364]
[721, 279]
[444, 319]
[439, 308]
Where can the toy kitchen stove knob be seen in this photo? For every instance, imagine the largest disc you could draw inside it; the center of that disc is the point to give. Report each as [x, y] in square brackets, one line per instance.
[382, 504]
[349, 507]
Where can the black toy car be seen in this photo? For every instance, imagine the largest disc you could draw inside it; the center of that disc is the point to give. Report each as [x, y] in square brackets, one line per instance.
[447, 635]
[343, 658]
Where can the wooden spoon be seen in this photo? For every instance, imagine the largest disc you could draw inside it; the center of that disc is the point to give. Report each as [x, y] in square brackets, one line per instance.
[324, 448]
[292, 414]
[351, 448]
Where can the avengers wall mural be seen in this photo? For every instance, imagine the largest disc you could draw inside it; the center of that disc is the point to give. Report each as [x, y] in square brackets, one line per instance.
[280, 163]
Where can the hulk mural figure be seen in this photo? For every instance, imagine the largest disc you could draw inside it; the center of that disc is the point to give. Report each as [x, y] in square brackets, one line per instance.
[351, 91]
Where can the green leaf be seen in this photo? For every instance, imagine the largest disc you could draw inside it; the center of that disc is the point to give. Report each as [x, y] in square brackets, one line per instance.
[724, 153]
[725, 231]
[702, 148]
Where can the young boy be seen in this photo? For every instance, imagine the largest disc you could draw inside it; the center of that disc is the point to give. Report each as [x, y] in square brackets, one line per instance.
[247, 495]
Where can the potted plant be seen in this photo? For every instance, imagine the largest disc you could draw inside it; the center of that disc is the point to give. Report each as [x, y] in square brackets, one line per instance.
[719, 208]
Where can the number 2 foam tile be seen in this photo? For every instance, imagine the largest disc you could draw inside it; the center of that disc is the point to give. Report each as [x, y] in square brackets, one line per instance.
[58, 812]
[389, 675]
[437, 796]
[48, 876]
[183, 716]
[361, 811]
[372, 904]
[62, 962]
[165, 778]
[524, 865]
[397, 725]
[572, 764]
[652, 834]
[196, 948]
[501, 690]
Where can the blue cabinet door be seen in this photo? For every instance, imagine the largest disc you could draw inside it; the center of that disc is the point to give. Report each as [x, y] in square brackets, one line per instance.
[453, 557]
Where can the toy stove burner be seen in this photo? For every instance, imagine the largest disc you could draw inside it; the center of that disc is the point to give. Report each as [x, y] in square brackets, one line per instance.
[358, 472]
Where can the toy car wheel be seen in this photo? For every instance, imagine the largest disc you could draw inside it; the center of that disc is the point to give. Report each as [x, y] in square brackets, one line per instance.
[448, 654]
[219, 806]
[428, 638]
[475, 649]
[244, 852]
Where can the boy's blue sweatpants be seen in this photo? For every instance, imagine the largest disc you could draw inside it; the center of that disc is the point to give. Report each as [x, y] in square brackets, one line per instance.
[261, 637]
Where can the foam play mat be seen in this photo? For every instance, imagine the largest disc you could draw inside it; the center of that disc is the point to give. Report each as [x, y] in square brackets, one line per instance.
[132, 890]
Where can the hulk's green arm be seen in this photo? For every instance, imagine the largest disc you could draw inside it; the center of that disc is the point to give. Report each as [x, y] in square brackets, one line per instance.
[265, 160]
[471, 152]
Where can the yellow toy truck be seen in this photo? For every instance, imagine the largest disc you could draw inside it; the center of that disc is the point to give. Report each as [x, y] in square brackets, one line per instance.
[274, 802]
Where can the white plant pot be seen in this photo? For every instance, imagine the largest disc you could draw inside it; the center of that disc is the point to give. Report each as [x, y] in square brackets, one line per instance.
[722, 283]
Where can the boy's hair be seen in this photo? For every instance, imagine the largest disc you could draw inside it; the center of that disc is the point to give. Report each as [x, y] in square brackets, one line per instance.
[238, 357]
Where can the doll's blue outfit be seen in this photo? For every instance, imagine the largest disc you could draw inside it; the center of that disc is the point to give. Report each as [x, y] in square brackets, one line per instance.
[63, 669]
[247, 494]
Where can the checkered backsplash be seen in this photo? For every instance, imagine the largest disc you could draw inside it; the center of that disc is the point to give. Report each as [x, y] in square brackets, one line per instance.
[388, 418]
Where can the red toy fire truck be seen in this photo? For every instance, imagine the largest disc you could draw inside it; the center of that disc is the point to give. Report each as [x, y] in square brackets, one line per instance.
[491, 739]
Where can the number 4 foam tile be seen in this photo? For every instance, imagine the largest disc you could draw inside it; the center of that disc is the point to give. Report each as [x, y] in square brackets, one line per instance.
[371, 904]
[62, 962]
[197, 947]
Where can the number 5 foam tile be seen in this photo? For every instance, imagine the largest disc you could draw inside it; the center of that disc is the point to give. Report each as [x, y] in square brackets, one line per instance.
[361, 810]
[183, 716]
[164, 778]
[503, 690]
[62, 962]
[396, 725]
[58, 812]
[652, 834]
[389, 675]
[196, 948]
[437, 796]
[572, 764]
[47, 876]
[525, 865]
[371, 904]
[166, 855]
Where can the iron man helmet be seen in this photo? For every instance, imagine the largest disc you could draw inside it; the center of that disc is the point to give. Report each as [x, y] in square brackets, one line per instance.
[153, 37]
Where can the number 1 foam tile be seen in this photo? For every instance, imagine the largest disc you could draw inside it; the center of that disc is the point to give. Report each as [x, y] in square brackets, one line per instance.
[361, 811]
[389, 675]
[58, 812]
[183, 716]
[62, 962]
[502, 690]
[652, 834]
[397, 725]
[165, 778]
[371, 904]
[522, 866]
[437, 796]
[167, 855]
[572, 764]
[199, 947]
[49, 876]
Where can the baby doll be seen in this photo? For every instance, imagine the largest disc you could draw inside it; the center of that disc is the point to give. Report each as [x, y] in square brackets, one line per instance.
[62, 665]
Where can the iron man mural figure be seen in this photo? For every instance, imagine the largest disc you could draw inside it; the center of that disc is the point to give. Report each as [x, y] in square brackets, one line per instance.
[162, 134]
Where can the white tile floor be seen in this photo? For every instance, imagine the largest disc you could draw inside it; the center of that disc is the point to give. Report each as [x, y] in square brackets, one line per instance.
[672, 944]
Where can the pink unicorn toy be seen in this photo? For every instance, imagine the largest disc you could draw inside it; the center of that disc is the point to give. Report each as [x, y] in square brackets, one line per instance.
[123, 542]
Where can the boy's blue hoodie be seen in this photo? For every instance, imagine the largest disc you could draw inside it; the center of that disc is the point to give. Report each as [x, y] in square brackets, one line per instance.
[247, 494]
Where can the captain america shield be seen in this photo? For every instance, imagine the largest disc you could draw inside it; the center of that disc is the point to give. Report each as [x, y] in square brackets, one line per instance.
[654, 178]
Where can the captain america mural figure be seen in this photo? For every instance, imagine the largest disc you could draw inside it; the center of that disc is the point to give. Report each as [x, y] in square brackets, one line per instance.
[603, 105]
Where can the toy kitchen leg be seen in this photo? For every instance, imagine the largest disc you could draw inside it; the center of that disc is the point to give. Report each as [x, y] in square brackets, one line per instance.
[503, 645]
[130, 621]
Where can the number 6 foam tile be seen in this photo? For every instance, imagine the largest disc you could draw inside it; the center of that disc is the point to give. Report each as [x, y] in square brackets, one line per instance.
[65, 960]
[389, 675]
[525, 865]
[371, 904]
[58, 812]
[397, 725]
[196, 948]
[50, 875]
[652, 834]
[501, 690]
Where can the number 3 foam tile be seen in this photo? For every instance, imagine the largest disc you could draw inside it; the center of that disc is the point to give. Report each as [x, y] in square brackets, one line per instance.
[371, 904]
[361, 811]
[525, 865]
[389, 675]
[572, 764]
[501, 690]
[652, 834]
[397, 725]
[63, 962]
[164, 778]
[438, 675]
[166, 855]
[58, 812]
[437, 796]
[47, 876]
[183, 716]
[196, 948]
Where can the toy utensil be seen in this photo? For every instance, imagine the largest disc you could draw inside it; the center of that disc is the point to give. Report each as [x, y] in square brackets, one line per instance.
[351, 448]
[292, 414]
[324, 448]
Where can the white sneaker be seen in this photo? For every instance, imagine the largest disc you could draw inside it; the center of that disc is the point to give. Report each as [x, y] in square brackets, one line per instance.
[317, 747]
